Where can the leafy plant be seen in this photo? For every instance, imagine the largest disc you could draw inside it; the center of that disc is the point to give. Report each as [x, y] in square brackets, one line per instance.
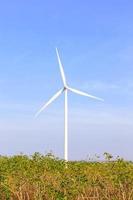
[45, 177]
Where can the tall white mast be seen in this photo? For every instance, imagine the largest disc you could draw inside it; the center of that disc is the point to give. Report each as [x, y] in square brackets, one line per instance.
[66, 127]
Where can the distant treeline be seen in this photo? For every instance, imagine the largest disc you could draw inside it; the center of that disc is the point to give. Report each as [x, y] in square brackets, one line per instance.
[44, 177]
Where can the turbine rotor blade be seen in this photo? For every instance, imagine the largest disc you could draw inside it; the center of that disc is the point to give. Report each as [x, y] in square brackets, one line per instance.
[61, 68]
[49, 102]
[84, 94]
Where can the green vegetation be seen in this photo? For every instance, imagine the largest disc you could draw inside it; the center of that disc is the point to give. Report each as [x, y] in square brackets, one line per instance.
[47, 178]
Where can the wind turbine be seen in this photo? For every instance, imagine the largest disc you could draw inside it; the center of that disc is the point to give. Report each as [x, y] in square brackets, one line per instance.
[65, 90]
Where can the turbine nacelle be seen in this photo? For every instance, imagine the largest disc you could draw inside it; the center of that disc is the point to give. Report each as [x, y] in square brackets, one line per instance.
[65, 88]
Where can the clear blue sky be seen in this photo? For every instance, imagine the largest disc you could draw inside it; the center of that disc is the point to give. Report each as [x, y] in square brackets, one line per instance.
[95, 41]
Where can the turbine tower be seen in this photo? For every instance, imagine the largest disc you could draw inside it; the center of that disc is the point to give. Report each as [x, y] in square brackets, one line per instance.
[65, 90]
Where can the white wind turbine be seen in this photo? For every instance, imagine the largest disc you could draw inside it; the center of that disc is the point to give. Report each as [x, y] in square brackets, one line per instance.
[65, 89]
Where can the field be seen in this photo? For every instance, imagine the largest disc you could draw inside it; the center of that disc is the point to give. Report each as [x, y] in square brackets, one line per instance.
[40, 177]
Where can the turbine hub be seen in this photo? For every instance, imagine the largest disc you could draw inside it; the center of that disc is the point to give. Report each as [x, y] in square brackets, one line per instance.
[65, 88]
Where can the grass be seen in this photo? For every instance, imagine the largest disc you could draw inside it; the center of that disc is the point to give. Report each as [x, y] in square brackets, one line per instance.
[40, 177]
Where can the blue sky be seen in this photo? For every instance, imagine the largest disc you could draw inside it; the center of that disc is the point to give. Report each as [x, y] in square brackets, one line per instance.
[95, 42]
